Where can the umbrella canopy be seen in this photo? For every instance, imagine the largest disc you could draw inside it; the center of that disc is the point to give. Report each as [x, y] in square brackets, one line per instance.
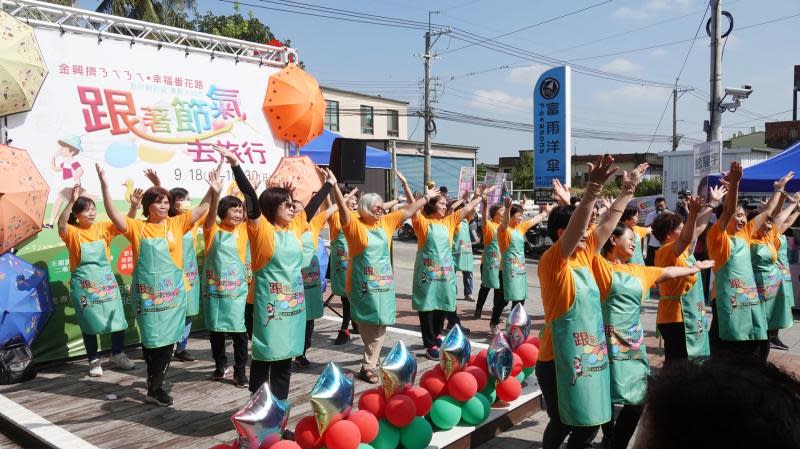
[23, 197]
[294, 106]
[301, 173]
[25, 301]
[22, 68]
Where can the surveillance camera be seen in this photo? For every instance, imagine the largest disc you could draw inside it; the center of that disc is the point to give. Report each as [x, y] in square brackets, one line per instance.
[739, 92]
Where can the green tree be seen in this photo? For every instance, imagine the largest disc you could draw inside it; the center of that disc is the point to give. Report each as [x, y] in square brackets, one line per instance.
[652, 186]
[165, 12]
[235, 26]
[480, 172]
[522, 174]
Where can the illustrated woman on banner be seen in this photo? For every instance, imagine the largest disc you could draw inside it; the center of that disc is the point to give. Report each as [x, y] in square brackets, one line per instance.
[64, 161]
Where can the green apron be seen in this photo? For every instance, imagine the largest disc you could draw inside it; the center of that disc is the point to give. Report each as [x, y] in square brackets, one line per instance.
[490, 265]
[625, 336]
[695, 322]
[434, 285]
[462, 248]
[638, 257]
[372, 294]
[279, 313]
[190, 268]
[579, 347]
[779, 310]
[227, 280]
[739, 309]
[95, 293]
[515, 278]
[312, 284]
[158, 293]
[338, 265]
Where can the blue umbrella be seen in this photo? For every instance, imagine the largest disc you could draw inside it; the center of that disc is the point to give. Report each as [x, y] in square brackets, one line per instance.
[25, 301]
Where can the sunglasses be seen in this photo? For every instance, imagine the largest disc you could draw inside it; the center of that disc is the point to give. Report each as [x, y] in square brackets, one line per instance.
[288, 205]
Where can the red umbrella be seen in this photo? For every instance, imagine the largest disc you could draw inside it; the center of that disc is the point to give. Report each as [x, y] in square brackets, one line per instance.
[23, 197]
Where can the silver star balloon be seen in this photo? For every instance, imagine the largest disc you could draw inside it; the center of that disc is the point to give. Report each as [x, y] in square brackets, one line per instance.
[332, 396]
[261, 422]
[398, 370]
[500, 358]
[455, 351]
[518, 326]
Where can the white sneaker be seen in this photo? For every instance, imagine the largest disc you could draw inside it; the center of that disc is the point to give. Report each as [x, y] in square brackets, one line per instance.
[122, 361]
[95, 370]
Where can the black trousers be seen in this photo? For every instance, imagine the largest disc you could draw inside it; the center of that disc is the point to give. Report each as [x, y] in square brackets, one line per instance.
[674, 335]
[431, 324]
[453, 319]
[556, 431]
[619, 431]
[483, 293]
[276, 374]
[309, 332]
[217, 340]
[248, 320]
[755, 349]
[650, 260]
[157, 361]
[346, 315]
[498, 307]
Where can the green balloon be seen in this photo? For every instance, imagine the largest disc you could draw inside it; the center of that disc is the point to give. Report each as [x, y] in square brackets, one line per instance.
[491, 385]
[365, 446]
[445, 412]
[490, 395]
[472, 411]
[528, 371]
[388, 436]
[487, 406]
[521, 376]
[416, 435]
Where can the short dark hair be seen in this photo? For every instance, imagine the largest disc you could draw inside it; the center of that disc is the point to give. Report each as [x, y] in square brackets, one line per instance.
[443, 189]
[573, 201]
[630, 212]
[664, 225]
[516, 209]
[153, 195]
[271, 199]
[493, 210]
[619, 229]
[226, 203]
[176, 194]
[723, 402]
[661, 199]
[558, 219]
[81, 204]
[430, 206]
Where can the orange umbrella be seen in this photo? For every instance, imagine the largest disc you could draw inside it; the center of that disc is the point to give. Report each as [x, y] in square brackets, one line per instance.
[294, 106]
[23, 197]
[301, 172]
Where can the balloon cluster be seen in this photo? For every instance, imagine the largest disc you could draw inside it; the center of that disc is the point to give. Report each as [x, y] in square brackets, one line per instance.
[261, 422]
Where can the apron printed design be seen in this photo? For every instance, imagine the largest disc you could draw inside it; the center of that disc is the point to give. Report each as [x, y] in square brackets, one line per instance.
[288, 296]
[99, 292]
[592, 354]
[517, 267]
[229, 280]
[95, 293]
[375, 282]
[492, 260]
[151, 297]
[742, 295]
[436, 273]
[621, 343]
[311, 274]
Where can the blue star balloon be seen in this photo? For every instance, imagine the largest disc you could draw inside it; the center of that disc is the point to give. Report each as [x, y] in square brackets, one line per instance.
[398, 370]
[500, 358]
[332, 396]
[455, 351]
[261, 422]
[518, 326]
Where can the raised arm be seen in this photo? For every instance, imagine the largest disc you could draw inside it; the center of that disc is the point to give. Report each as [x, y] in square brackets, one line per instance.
[506, 215]
[781, 218]
[388, 205]
[211, 216]
[695, 204]
[214, 187]
[560, 193]
[152, 176]
[406, 189]
[476, 199]
[543, 213]
[679, 272]
[250, 196]
[414, 207]
[732, 178]
[116, 217]
[136, 200]
[773, 201]
[341, 203]
[715, 196]
[64, 217]
[608, 221]
[578, 223]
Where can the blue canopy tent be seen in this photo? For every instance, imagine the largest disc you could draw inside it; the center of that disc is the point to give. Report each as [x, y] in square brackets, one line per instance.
[319, 150]
[759, 177]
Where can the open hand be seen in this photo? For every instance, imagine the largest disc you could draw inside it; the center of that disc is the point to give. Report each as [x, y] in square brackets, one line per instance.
[734, 175]
[600, 171]
[152, 176]
[227, 154]
[781, 183]
[136, 197]
[716, 193]
[560, 193]
[214, 181]
[704, 264]
[76, 192]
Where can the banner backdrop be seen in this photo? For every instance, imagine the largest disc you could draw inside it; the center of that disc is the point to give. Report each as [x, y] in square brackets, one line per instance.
[132, 107]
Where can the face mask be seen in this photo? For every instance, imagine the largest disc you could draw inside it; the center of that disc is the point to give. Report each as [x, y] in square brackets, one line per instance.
[184, 206]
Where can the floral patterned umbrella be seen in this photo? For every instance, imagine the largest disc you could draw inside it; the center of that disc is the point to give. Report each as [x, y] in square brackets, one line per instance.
[22, 68]
[23, 197]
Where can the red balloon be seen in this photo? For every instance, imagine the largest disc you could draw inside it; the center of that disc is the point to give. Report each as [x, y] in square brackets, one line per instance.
[342, 435]
[434, 382]
[509, 389]
[462, 386]
[367, 424]
[422, 400]
[533, 340]
[480, 361]
[374, 402]
[528, 353]
[472, 358]
[224, 446]
[306, 434]
[480, 376]
[285, 444]
[438, 369]
[400, 410]
[516, 368]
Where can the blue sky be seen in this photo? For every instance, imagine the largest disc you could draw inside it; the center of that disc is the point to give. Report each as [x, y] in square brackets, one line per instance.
[379, 59]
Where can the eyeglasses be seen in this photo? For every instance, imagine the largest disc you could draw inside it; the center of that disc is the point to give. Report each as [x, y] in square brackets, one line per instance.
[377, 210]
[288, 205]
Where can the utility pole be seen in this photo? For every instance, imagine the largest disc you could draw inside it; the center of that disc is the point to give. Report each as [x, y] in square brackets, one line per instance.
[675, 137]
[715, 121]
[426, 113]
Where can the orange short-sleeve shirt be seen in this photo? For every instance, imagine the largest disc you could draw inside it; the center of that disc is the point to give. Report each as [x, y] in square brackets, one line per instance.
[73, 236]
[489, 231]
[719, 245]
[421, 223]
[558, 286]
[671, 311]
[335, 223]
[240, 232]
[641, 232]
[603, 271]
[357, 232]
[172, 229]
[504, 236]
[262, 239]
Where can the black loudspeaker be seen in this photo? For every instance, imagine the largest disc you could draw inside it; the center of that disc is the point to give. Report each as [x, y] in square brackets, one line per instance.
[349, 160]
